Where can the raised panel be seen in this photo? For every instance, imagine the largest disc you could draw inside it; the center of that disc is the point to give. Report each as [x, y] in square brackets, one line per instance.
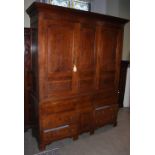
[108, 46]
[60, 37]
[86, 58]
[107, 58]
[60, 43]
[86, 84]
[107, 79]
[87, 44]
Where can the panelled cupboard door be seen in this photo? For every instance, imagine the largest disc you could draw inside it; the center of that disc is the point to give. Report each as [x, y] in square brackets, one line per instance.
[86, 58]
[107, 57]
[59, 39]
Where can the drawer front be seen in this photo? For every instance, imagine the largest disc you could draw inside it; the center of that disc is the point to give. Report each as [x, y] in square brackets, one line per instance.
[55, 120]
[59, 132]
[105, 114]
[105, 101]
[57, 106]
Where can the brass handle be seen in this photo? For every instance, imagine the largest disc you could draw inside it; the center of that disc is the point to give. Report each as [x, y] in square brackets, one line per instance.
[74, 68]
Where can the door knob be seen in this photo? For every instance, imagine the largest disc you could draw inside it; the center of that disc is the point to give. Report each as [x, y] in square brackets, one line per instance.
[74, 68]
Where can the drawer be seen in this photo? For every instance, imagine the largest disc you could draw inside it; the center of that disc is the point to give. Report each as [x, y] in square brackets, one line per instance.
[59, 132]
[58, 119]
[105, 94]
[105, 114]
[57, 106]
[105, 101]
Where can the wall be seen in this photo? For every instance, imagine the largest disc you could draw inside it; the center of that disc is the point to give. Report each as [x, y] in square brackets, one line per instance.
[124, 12]
[112, 8]
[126, 102]
[27, 3]
[99, 6]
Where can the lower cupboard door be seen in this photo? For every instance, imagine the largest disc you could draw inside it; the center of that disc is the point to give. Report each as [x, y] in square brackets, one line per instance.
[86, 121]
[104, 115]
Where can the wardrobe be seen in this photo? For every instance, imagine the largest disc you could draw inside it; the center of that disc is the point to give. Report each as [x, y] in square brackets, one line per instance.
[76, 59]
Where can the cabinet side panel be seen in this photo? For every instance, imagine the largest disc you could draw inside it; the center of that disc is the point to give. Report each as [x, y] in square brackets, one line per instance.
[34, 52]
[35, 77]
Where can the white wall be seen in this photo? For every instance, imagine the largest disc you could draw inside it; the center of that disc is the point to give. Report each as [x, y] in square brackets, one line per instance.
[126, 43]
[124, 12]
[27, 3]
[112, 8]
[126, 102]
[99, 6]
[124, 9]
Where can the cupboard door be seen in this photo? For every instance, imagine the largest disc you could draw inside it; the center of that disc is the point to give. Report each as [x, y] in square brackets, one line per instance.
[60, 38]
[107, 58]
[85, 121]
[86, 58]
[104, 115]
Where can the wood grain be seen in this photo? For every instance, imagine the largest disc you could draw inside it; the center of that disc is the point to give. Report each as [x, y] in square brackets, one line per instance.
[75, 64]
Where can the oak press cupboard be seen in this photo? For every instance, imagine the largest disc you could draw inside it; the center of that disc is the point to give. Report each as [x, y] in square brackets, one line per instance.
[75, 70]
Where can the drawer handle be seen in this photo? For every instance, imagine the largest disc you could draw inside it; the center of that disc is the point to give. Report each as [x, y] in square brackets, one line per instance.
[103, 107]
[56, 129]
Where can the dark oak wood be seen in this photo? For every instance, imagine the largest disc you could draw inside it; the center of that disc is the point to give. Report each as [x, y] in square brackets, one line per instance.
[75, 68]
[28, 120]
